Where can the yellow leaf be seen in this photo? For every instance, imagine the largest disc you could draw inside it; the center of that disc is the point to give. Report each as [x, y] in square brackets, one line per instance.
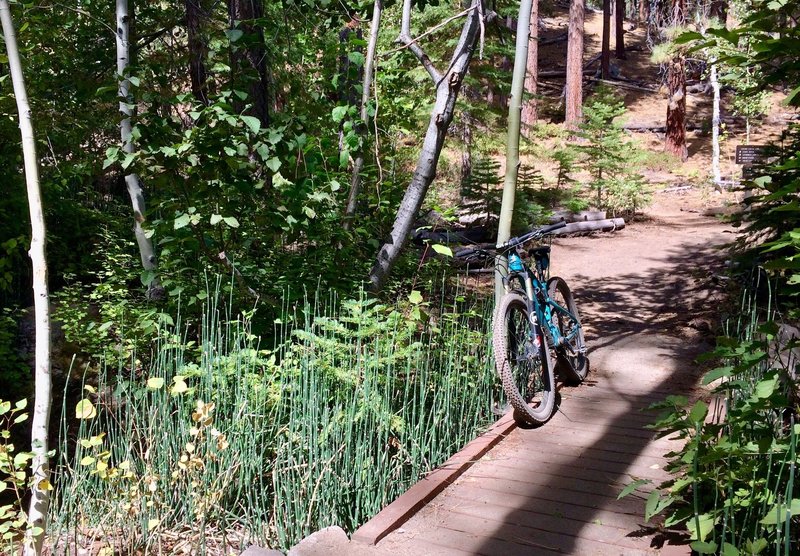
[87, 460]
[90, 388]
[44, 484]
[155, 383]
[179, 387]
[152, 524]
[85, 410]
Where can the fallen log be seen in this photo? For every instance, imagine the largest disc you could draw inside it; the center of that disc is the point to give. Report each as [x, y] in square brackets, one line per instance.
[581, 216]
[608, 225]
[624, 85]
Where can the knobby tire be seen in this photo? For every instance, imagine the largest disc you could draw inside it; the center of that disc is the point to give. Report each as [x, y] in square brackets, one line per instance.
[525, 370]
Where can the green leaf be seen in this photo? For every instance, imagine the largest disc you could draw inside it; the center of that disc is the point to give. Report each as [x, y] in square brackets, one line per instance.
[356, 58]
[706, 522]
[309, 212]
[777, 513]
[415, 297]
[253, 123]
[155, 382]
[729, 550]
[273, 164]
[339, 113]
[128, 160]
[231, 221]
[147, 277]
[442, 250]
[714, 374]
[182, 221]
[22, 404]
[216, 219]
[5, 407]
[134, 81]
[756, 547]
[630, 487]
[651, 505]
[765, 388]
[698, 412]
[704, 547]
[234, 34]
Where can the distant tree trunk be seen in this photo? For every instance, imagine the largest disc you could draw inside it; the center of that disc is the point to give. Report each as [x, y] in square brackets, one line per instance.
[573, 94]
[148, 255]
[619, 28]
[605, 47]
[348, 74]
[529, 105]
[251, 57]
[675, 142]
[715, 124]
[512, 142]
[644, 11]
[447, 88]
[369, 68]
[40, 465]
[197, 50]
[719, 10]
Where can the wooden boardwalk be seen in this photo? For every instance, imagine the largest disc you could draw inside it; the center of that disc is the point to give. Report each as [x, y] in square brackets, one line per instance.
[552, 489]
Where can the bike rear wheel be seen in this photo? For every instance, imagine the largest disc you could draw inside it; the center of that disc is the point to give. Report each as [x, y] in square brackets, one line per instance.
[571, 361]
[522, 359]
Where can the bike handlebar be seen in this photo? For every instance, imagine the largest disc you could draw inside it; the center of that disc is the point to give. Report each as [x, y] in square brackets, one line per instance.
[535, 234]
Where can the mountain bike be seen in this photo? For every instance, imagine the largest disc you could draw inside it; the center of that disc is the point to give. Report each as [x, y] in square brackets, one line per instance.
[535, 319]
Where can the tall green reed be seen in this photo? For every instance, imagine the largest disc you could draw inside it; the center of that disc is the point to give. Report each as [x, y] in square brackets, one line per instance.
[223, 441]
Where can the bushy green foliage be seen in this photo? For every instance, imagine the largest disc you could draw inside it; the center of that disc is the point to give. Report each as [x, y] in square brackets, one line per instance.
[609, 156]
[733, 486]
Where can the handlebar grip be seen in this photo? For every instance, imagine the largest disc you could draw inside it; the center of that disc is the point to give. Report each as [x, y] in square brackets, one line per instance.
[552, 228]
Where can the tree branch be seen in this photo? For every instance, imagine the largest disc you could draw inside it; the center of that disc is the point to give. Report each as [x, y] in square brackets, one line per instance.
[416, 49]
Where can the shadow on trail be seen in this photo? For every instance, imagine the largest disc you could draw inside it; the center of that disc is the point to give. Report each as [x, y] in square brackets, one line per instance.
[665, 300]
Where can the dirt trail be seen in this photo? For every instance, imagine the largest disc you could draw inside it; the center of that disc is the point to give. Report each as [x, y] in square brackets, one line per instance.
[648, 295]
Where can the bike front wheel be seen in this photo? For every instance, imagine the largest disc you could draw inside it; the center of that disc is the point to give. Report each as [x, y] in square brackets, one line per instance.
[523, 361]
[572, 364]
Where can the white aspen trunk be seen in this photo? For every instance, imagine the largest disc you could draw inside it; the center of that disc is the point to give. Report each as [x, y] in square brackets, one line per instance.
[369, 65]
[512, 141]
[148, 255]
[40, 465]
[715, 125]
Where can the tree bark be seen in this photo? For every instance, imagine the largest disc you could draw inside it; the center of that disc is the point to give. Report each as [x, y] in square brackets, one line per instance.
[512, 142]
[369, 68]
[644, 11]
[40, 465]
[529, 106]
[676, 83]
[573, 96]
[605, 47]
[619, 28]
[447, 88]
[155, 290]
[715, 125]
[251, 56]
[197, 51]
[719, 10]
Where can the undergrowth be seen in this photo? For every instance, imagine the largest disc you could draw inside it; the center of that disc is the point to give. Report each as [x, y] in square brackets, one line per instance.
[224, 442]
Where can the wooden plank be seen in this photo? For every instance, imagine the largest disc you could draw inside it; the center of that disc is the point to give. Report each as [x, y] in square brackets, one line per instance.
[396, 513]
[535, 491]
[529, 538]
[555, 506]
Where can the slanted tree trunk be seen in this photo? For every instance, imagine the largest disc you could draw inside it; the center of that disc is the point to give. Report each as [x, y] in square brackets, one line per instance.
[529, 105]
[148, 255]
[619, 28]
[369, 68]
[512, 142]
[605, 47]
[715, 125]
[249, 57]
[197, 50]
[40, 465]
[573, 94]
[447, 88]
[675, 142]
